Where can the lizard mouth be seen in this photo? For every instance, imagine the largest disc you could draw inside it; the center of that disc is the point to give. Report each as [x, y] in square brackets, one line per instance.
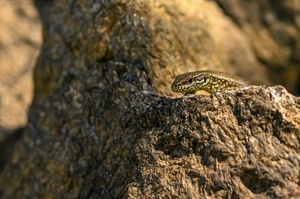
[176, 88]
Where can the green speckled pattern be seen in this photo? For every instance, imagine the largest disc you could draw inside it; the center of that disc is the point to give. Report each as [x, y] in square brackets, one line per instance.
[209, 81]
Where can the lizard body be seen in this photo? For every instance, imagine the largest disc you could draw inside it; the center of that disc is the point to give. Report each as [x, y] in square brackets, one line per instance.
[209, 81]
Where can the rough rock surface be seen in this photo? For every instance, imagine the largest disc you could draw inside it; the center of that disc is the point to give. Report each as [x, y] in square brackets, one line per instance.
[104, 123]
[230, 145]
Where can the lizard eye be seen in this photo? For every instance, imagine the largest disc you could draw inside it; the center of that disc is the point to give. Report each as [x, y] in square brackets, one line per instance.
[190, 80]
[200, 79]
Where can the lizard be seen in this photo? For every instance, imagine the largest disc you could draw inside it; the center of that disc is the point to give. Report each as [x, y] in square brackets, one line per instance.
[206, 80]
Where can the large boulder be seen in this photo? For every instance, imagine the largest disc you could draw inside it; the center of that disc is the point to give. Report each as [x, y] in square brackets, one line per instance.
[104, 122]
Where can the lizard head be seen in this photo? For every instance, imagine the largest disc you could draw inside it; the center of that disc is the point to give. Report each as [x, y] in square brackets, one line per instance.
[189, 82]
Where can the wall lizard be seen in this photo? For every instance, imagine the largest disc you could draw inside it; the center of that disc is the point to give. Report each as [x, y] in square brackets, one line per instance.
[209, 81]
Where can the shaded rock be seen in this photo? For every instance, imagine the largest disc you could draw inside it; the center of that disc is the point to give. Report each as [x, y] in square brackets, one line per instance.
[7, 145]
[103, 125]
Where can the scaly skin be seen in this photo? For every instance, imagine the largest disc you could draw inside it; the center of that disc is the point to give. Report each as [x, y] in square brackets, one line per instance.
[209, 81]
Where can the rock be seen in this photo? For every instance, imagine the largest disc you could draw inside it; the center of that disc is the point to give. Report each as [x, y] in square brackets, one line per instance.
[233, 144]
[274, 34]
[20, 42]
[105, 124]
